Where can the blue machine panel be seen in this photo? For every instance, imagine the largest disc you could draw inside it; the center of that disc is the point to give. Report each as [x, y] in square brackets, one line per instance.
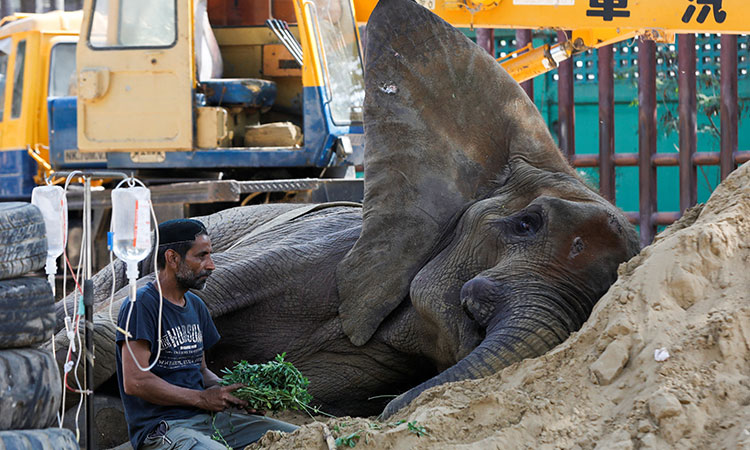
[63, 140]
[321, 133]
[17, 170]
[249, 92]
[213, 159]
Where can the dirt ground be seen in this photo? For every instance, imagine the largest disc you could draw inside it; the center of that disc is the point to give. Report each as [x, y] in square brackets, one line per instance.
[663, 362]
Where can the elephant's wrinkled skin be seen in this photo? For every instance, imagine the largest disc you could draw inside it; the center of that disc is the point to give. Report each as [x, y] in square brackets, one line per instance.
[477, 245]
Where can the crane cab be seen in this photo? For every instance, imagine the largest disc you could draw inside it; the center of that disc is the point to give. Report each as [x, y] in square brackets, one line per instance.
[186, 85]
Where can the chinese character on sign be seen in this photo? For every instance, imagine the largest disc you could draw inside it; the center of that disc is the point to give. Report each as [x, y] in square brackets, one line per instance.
[719, 15]
[609, 9]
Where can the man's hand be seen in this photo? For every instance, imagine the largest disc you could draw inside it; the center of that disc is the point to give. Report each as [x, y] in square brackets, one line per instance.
[219, 398]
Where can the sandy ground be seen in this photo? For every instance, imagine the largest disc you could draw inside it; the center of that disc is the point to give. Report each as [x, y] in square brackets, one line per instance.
[663, 362]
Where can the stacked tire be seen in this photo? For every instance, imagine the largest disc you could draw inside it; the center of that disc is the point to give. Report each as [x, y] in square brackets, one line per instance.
[30, 387]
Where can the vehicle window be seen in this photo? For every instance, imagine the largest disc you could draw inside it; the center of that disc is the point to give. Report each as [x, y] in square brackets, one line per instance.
[15, 109]
[5, 46]
[343, 61]
[62, 70]
[135, 23]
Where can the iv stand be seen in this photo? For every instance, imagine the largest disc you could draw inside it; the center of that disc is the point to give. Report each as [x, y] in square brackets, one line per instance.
[88, 291]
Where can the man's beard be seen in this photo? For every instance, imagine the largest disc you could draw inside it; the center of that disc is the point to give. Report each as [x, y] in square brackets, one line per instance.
[186, 279]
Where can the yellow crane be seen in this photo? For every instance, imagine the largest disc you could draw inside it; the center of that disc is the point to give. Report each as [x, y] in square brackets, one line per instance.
[593, 23]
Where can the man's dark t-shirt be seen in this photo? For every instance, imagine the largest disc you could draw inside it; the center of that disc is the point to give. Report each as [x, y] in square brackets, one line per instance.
[186, 332]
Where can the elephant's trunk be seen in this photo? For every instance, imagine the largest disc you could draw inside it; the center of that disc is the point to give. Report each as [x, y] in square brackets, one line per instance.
[524, 328]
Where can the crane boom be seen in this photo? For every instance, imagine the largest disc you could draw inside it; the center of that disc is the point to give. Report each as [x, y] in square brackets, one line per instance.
[672, 16]
[593, 23]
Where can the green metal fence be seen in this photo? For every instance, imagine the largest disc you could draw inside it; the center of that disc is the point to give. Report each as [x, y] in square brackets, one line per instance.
[626, 110]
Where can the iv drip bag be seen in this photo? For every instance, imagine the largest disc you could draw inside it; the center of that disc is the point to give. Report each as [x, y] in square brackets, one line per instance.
[131, 224]
[52, 203]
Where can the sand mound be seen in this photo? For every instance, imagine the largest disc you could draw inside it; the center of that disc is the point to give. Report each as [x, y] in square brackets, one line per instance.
[684, 298]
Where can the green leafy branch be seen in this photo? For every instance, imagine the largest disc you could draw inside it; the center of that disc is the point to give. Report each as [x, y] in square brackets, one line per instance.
[217, 436]
[417, 429]
[276, 385]
[351, 439]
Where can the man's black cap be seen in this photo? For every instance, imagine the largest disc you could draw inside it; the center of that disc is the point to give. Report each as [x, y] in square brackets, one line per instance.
[180, 230]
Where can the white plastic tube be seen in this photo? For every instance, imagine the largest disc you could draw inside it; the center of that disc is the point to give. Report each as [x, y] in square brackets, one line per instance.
[52, 203]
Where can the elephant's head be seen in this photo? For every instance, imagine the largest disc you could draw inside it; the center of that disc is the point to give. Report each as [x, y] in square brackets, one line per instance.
[470, 212]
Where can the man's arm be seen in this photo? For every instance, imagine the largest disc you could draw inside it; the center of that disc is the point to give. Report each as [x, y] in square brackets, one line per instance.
[210, 379]
[153, 389]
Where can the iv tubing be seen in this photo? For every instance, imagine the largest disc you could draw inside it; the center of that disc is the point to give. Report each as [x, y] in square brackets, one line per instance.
[65, 243]
[75, 330]
[65, 308]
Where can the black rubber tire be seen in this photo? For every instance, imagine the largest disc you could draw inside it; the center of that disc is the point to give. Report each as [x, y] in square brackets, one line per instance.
[27, 312]
[23, 239]
[48, 439]
[31, 389]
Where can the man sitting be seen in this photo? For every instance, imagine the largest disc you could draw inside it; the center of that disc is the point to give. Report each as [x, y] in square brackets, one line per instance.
[178, 403]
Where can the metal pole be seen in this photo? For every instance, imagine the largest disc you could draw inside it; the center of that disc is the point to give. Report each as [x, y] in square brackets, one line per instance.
[607, 123]
[647, 139]
[566, 113]
[729, 104]
[87, 225]
[523, 38]
[88, 303]
[686, 64]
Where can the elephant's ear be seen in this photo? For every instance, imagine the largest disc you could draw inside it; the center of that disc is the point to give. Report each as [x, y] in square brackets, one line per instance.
[442, 120]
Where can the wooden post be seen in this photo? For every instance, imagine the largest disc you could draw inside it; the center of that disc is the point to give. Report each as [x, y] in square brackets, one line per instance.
[28, 6]
[607, 123]
[486, 40]
[688, 121]
[523, 38]
[566, 116]
[647, 139]
[729, 104]
[6, 8]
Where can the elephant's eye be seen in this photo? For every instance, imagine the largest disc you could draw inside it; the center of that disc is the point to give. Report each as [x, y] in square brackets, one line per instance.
[527, 224]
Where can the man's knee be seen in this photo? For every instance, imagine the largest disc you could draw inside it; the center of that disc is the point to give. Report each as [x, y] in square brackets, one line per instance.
[244, 429]
[193, 433]
[186, 438]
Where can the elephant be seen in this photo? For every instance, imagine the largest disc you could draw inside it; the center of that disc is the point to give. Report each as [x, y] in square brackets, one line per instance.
[477, 245]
